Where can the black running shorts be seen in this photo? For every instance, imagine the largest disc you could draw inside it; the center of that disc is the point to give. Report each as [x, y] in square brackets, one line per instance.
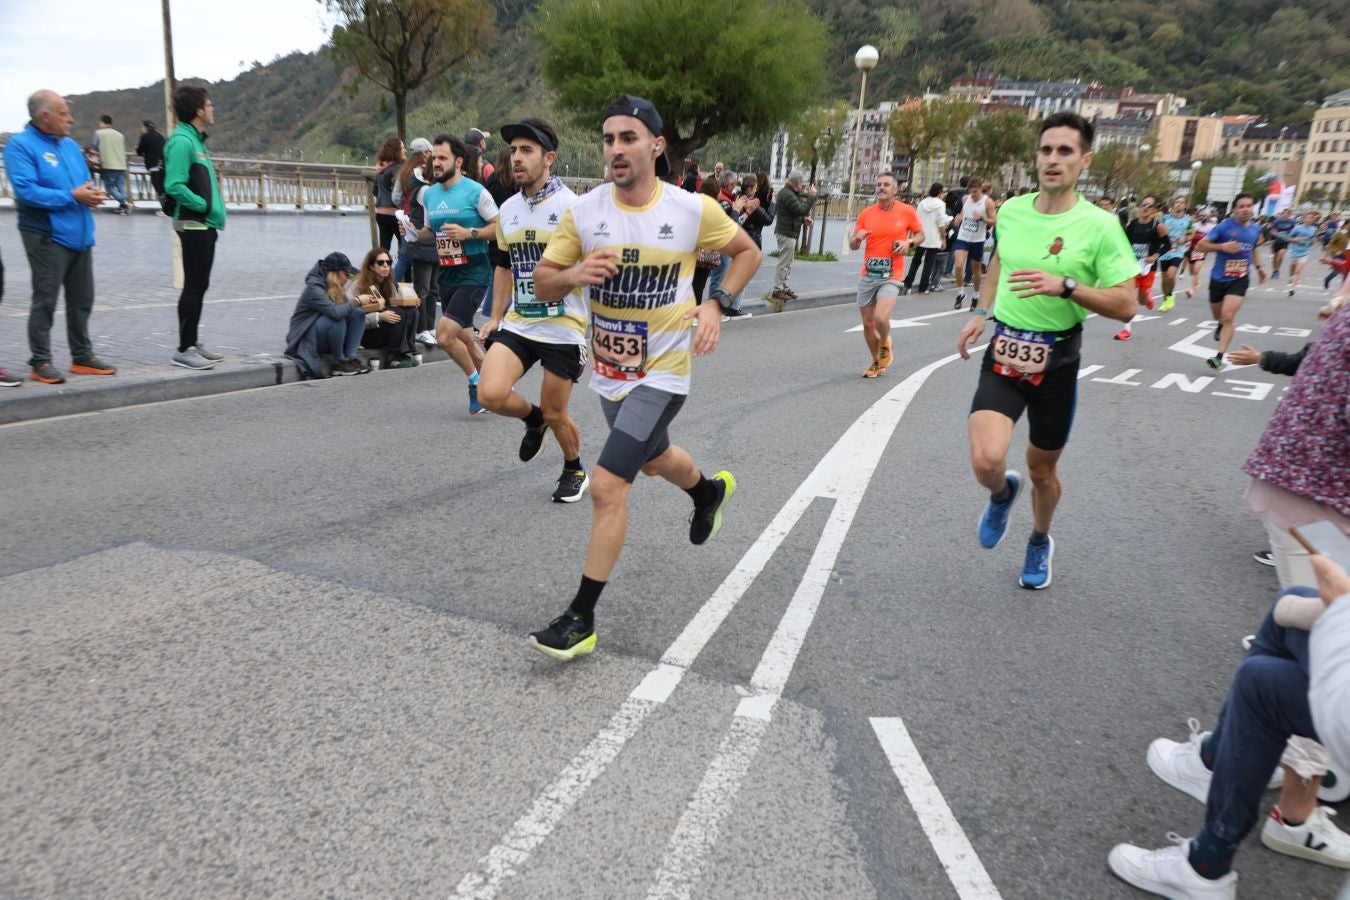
[1050, 405]
[564, 360]
[1235, 288]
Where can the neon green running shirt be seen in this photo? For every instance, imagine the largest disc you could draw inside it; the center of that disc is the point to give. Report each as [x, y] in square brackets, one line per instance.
[1086, 244]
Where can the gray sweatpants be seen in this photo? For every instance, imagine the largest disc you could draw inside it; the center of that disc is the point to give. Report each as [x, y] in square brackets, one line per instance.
[53, 267]
[787, 249]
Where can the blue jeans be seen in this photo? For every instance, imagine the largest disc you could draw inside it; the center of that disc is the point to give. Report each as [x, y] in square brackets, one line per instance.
[115, 184]
[341, 337]
[1267, 702]
[715, 281]
[486, 308]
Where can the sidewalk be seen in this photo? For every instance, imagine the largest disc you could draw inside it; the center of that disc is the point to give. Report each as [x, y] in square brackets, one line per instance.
[260, 264]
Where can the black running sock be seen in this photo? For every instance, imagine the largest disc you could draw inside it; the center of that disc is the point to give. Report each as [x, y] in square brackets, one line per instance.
[1039, 537]
[587, 595]
[535, 418]
[704, 493]
[1004, 495]
[573, 465]
[1211, 857]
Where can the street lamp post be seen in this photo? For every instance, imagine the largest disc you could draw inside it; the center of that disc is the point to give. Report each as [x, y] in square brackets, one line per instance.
[1190, 185]
[866, 60]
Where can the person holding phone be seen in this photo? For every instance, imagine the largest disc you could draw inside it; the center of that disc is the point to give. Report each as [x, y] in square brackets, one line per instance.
[1300, 469]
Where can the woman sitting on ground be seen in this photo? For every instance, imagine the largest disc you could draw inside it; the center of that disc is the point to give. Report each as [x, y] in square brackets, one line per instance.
[390, 324]
[324, 322]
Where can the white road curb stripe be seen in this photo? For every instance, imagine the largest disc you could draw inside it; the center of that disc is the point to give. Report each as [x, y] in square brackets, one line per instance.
[953, 848]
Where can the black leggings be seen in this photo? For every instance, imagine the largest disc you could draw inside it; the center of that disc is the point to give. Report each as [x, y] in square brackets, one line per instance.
[199, 253]
[388, 228]
[928, 256]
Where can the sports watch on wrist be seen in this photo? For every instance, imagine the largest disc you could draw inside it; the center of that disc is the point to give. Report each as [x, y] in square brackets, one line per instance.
[1070, 285]
[722, 297]
[473, 233]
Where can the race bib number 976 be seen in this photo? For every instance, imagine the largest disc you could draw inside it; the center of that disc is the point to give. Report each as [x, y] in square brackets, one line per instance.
[619, 348]
[449, 251]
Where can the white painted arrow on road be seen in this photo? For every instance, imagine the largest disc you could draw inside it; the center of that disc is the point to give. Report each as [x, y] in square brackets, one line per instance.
[915, 321]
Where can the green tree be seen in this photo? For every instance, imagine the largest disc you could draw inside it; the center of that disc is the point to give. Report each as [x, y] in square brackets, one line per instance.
[817, 135]
[708, 66]
[920, 131]
[1113, 167]
[401, 45]
[997, 140]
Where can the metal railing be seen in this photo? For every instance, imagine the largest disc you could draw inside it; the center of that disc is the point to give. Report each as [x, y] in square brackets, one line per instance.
[268, 184]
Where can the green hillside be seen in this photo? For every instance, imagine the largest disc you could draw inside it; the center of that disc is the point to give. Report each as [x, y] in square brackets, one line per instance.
[1276, 57]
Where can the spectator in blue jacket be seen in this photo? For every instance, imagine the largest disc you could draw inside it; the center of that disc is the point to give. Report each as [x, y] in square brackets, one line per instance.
[54, 193]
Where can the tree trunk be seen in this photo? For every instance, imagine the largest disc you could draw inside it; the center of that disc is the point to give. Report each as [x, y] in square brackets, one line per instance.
[401, 114]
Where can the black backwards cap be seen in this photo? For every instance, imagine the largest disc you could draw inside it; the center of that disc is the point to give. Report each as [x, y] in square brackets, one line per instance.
[529, 133]
[644, 112]
[337, 262]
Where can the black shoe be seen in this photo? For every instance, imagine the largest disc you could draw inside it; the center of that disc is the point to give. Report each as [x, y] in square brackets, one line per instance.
[566, 637]
[345, 367]
[736, 313]
[706, 521]
[362, 367]
[1264, 557]
[571, 485]
[532, 442]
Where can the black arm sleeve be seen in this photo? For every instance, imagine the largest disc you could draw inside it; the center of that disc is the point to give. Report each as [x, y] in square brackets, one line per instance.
[1283, 363]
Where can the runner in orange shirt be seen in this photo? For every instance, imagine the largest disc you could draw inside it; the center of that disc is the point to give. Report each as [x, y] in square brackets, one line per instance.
[885, 228]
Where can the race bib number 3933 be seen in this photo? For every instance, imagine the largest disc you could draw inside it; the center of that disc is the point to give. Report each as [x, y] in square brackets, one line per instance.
[1021, 353]
[619, 348]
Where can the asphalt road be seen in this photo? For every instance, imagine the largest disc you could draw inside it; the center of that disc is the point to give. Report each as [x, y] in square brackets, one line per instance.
[271, 643]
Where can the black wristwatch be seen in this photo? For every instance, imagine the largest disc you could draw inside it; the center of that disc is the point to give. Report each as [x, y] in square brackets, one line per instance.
[1069, 287]
[722, 297]
[473, 233]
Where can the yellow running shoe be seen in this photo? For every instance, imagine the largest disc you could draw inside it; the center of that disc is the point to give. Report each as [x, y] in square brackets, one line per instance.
[885, 359]
[873, 370]
[1168, 302]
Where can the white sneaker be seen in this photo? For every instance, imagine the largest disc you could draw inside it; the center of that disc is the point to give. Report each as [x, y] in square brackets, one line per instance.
[209, 355]
[1168, 872]
[1316, 839]
[426, 337]
[1179, 764]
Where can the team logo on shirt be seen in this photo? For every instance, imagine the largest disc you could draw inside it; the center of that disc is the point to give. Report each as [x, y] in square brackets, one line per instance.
[553, 218]
[530, 234]
[667, 232]
[1055, 248]
[50, 157]
[601, 230]
[514, 221]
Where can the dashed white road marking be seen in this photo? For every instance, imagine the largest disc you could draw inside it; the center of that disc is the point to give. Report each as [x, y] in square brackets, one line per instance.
[842, 474]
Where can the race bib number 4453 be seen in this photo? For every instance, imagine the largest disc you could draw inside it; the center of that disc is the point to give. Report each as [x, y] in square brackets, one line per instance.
[619, 348]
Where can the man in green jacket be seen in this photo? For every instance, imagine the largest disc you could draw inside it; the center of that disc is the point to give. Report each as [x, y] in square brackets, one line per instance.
[198, 216]
[793, 210]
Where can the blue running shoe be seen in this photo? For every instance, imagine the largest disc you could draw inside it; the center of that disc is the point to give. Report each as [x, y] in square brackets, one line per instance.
[474, 406]
[1036, 569]
[994, 522]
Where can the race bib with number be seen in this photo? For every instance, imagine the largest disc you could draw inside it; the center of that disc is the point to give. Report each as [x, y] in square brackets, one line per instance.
[529, 306]
[619, 348]
[450, 251]
[879, 267]
[1019, 354]
[970, 227]
[1235, 268]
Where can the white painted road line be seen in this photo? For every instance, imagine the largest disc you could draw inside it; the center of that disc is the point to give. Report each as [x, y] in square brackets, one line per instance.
[914, 321]
[843, 474]
[958, 857]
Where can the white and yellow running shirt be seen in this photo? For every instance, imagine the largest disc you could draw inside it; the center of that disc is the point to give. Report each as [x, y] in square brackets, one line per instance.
[639, 333]
[522, 233]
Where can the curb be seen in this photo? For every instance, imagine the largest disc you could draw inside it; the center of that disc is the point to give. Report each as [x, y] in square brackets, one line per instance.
[158, 385]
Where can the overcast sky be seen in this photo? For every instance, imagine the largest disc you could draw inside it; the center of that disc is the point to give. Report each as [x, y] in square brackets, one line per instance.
[75, 46]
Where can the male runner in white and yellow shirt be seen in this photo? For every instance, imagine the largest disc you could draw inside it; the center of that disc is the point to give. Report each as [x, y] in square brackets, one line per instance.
[524, 330]
[630, 246]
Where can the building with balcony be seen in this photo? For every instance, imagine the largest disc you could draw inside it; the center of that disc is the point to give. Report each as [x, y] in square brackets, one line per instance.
[1181, 139]
[1326, 161]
